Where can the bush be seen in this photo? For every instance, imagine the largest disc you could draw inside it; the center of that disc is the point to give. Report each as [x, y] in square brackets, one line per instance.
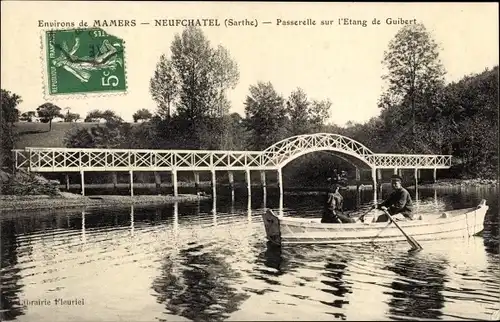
[22, 184]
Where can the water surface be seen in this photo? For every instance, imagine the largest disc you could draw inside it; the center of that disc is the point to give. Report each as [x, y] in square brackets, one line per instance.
[188, 262]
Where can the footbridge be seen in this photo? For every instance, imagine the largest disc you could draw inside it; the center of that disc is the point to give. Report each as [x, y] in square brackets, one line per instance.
[274, 158]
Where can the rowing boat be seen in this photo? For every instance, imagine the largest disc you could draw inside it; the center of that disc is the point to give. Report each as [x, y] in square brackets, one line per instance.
[450, 224]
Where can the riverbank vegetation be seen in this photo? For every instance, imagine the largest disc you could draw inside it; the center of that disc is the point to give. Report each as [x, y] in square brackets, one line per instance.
[419, 112]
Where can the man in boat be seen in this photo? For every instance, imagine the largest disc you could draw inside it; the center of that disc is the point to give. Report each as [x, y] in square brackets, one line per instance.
[333, 207]
[398, 204]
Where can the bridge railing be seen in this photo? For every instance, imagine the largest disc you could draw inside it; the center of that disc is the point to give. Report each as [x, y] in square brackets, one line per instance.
[73, 159]
[409, 161]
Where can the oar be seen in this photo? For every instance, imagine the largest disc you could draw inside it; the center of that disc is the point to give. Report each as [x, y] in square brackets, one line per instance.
[414, 244]
[362, 215]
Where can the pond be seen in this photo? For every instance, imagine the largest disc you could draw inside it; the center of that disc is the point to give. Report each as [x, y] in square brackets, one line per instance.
[185, 261]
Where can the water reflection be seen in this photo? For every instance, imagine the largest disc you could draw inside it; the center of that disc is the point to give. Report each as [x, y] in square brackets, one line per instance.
[10, 305]
[201, 291]
[84, 234]
[417, 290]
[335, 269]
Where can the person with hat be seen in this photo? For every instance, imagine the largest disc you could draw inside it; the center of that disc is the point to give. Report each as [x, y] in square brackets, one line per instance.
[398, 203]
[333, 207]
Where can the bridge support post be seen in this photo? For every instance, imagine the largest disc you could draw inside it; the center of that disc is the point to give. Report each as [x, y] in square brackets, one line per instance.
[358, 180]
[115, 180]
[379, 181]
[196, 181]
[395, 170]
[213, 183]
[174, 182]
[263, 179]
[249, 181]
[82, 182]
[280, 181]
[434, 175]
[67, 181]
[158, 182]
[374, 184]
[415, 177]
[230, 176]
[131, 173]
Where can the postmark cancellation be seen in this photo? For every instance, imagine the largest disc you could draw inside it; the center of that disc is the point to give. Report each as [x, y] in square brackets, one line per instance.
[83, 62]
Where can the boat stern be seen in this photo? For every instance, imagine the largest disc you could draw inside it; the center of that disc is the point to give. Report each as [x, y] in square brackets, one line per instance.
[272, 226]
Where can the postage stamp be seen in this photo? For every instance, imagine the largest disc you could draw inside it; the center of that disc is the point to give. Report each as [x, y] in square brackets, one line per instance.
[81, 61]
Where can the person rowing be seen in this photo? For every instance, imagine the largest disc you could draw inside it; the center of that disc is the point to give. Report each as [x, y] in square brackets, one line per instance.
[399, 204]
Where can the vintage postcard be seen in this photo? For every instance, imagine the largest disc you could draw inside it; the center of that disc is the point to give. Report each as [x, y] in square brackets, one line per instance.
[249, 161]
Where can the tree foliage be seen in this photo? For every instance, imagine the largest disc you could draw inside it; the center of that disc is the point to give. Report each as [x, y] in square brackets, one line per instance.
[27, 116]
[107, 115]
[265, 116]
[9, 115]
[165, 86]
[142, 115]
[196, 77]
[47, 112]
[71, 117]
[415, 78]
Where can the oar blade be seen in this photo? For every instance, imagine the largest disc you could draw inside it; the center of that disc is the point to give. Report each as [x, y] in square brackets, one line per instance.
[415, 246]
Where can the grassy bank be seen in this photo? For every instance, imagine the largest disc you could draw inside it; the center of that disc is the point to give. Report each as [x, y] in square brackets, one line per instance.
[68, 200]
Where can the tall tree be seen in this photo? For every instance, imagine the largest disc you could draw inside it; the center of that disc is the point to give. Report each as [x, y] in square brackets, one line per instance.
[265, 115]
[47, 112]
[9, 115]
[205, 74]
[297, 109]
[319, 112]
[225, 76]
[165, 86]
[305, 116]
[415, 74]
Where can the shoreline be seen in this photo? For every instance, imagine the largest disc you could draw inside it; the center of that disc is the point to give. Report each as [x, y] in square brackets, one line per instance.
[69, 200]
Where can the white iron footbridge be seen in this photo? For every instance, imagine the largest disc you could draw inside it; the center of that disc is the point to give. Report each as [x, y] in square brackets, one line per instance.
[36, 159]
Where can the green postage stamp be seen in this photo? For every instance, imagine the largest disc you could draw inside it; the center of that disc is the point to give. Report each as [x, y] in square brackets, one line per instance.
[84, 61]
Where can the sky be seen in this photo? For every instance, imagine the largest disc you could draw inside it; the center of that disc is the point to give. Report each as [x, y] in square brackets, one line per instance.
[342, 63]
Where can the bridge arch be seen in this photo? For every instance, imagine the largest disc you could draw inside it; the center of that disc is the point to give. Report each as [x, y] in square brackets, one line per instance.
[287, 150]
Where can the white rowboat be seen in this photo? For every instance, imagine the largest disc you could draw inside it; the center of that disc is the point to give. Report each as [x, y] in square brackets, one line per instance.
[450, 224]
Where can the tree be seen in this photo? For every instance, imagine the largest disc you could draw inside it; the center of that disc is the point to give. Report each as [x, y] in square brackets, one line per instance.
[107, 115]
[297, 108]
[204, 73]
[71, 117]
[164, 86]
[265, 115]
[225, 76]
[10, 101]
[47, 112]
[142, 114]
[319, 112]
[9, 115]
[28, 116]
[415, 74]
[306, 116]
